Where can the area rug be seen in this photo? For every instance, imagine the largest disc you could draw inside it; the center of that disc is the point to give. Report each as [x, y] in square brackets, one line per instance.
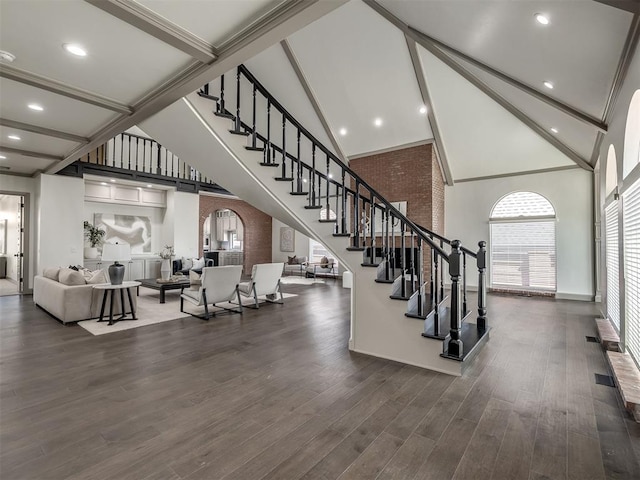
[150, 311]
[299, 281]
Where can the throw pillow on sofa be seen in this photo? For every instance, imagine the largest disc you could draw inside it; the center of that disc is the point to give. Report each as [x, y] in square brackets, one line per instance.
[187, 263]
[51, 273]
[292, 260]
[68, 276]
[97, 276]
[198, 263]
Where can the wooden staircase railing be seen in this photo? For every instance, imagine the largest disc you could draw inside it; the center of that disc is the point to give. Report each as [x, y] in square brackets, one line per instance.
[402, 251]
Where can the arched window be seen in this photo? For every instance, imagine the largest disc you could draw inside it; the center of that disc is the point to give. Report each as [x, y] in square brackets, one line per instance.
[611, 178]
[631, 154]
[523, 243]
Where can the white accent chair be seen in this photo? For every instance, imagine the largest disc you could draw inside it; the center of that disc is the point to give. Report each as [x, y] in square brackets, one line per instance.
[265, 280]
[219, 284]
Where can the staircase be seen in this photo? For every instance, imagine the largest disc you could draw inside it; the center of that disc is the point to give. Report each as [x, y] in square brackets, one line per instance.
[239, 134]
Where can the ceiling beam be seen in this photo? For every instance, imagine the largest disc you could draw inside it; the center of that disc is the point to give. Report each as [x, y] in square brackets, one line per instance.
[632, 6]
[42, 131]
[22, 76]
[563, 107]
[148, 21]
[626, 57]
[431, 117]
[293, 60]
[483, 87]
[285, 19]
[29, 153]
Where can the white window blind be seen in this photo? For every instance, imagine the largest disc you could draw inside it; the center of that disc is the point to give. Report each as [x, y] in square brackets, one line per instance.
[611, 246]
[523, 255]
[631, 236]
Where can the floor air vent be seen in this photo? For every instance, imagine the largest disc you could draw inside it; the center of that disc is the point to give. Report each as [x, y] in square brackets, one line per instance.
[592, 339]
[606, 380]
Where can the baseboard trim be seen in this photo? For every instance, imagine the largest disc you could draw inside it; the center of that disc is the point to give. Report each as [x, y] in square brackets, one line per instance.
[364, 352]
[574, 296]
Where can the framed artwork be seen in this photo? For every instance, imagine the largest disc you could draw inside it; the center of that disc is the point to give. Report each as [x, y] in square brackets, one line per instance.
[3, 236]
[287, 239]
[132, 229]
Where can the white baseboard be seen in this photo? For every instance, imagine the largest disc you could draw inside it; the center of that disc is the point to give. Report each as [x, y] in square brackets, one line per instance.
[574, 296]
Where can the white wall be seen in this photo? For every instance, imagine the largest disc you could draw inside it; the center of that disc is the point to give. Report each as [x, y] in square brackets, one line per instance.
[29, 187]
[570, 192]
[186, 212]
[60, 220]
[301, 243]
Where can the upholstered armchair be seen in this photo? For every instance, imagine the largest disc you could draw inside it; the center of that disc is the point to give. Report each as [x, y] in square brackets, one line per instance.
[218, 284]
[265, 280]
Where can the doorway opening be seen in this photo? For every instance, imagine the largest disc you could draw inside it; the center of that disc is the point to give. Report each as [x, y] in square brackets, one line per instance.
[12, 243]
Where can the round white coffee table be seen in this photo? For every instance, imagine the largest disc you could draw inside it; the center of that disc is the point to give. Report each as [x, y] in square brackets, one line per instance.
[110, 288]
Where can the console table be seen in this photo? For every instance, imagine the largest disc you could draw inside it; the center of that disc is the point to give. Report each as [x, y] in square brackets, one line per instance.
[109, 288]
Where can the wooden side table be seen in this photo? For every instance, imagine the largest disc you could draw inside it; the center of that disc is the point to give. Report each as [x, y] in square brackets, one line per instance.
[108, 288]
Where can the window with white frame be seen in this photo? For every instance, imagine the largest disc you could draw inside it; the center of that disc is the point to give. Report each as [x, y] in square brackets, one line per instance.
[523, 243]
[611, 249]
[631, 240]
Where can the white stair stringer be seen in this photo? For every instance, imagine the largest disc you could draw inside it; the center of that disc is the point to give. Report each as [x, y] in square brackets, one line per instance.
[189, 129]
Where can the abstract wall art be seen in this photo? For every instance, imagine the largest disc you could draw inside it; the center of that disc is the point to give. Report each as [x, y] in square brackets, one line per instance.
[132, 229]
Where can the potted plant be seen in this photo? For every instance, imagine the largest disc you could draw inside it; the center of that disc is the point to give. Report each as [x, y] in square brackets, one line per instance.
[95, 237]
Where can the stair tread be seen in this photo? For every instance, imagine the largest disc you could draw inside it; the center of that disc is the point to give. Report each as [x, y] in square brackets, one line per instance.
[313, 207]
[472, 340]
[341, 234]
[210, 97]
[324, 220]
[382, 280]
[268, 164]
[299, 193]
[283, 179]
[239, 132]
[224, 115]
[355, 249]
[365, 264]
[254, 149]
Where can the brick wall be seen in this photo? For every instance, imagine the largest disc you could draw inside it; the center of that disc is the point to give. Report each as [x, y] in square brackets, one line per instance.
[409, 174]
[257, 227]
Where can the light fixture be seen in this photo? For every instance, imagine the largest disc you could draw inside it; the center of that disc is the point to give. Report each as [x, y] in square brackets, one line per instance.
[7, 56]
[36, 107]
[113, 180]
[116, 252]
[548, 84]
[14, 137]
[74, 49]
[304, 180]
[103, 183]
[149, 185]
[343, 131]
[377, 122]
[2, 157]
[423, 110]
[554, 129]
[542, 19]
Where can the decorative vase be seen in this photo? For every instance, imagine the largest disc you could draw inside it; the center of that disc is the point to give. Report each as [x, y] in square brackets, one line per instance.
[165, 269]
[91, 252]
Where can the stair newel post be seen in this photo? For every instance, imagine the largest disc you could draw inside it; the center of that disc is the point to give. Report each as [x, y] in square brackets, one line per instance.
[453, 344]
[435, 256]
[267, 147]
[356, 216]
[254, 133]
[312, 177]
[343, 210]
[482, 286]
[220, 103]
[238, 122]
[464, 283]
[403, 256]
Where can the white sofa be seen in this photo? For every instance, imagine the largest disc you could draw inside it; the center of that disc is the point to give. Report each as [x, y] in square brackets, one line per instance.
[72, 303]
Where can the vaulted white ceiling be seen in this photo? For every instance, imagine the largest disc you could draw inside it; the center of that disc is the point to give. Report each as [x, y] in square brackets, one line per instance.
[482, 63]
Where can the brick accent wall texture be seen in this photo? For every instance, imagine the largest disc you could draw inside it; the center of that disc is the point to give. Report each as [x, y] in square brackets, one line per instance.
[257, 228]
[409, 174]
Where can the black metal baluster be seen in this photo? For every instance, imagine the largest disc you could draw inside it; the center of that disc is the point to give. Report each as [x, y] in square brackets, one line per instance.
[464, 283]
[299, 186]
[284, 146]
[312, 177]
[343, 213]
[238, 122]
[121, 151]
[436, 297]
[356, 216]
[420, 310]
[328, 173]
[172, 162]
[137, 151]
[482, 286]
[403, 255]
[254, 133]
[267, 150]
[441, 276]
[392, 256]
[129, 152]
[413, 263]
[158, 159]
[372, 229]
[220, 103]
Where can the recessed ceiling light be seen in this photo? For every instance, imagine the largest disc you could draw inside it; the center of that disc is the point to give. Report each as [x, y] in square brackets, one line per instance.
[113, 181]
[377, 122]
[7, 56]
[103, 183]
[304, 180]
[423, 110]
[331, 175]
[2, 157]
[343, 131]
[542, 19]
[554, 129]
[14, 137]
[149, 186]
[36, 107]
[548, 84]
[75, 49]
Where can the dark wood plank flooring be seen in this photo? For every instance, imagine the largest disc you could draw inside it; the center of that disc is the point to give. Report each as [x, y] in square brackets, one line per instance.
[276, 394]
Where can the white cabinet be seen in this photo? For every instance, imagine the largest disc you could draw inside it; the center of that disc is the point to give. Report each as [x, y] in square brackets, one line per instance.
[152, 268]
[135, 269]
[231, 258]
[93, 264]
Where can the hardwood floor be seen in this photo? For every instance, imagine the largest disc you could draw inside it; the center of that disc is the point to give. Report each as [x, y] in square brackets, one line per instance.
[276, 394]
